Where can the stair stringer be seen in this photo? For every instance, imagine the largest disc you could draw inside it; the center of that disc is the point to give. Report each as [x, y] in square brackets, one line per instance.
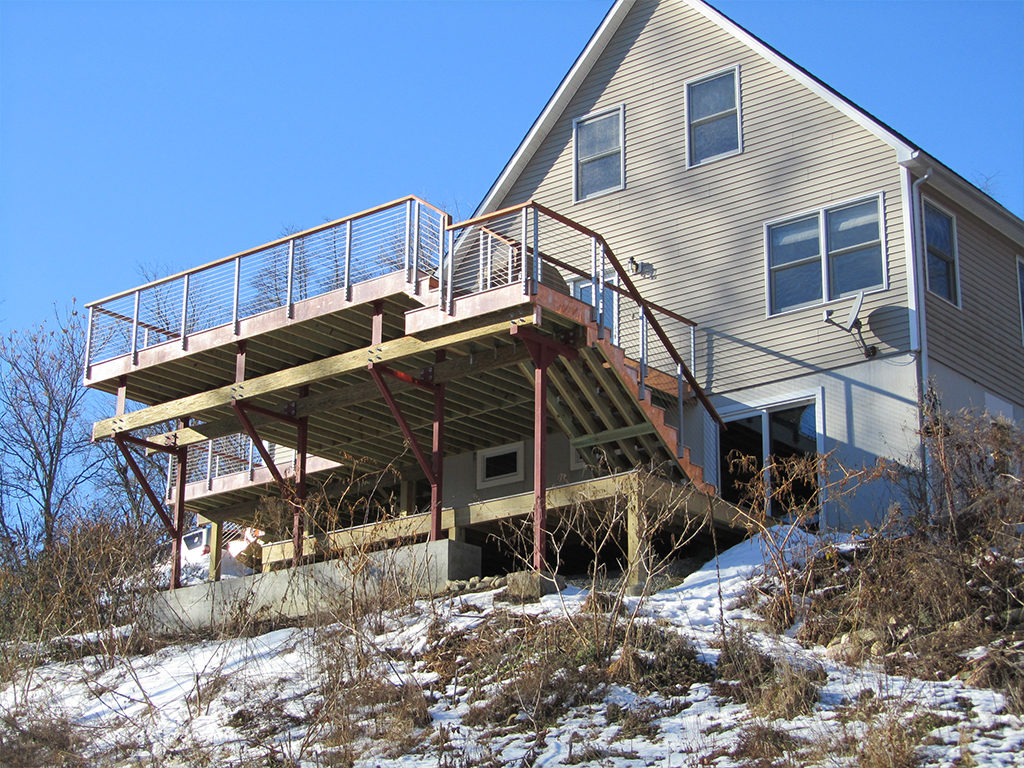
[669, 435]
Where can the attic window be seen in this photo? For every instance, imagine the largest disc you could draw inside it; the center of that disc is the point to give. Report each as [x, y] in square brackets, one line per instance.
[597, 151]
[713, 117]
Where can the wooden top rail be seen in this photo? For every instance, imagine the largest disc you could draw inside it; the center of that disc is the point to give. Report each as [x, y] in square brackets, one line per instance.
[272, 244]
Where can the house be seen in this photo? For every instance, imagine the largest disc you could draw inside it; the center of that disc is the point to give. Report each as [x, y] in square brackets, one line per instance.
[695, 234]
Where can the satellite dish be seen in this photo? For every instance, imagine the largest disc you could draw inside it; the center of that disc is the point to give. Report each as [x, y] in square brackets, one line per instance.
[853, 321]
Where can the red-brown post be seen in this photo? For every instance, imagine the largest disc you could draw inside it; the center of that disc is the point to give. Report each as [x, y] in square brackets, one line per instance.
[540, 441]
[437, 457]
[179, 511]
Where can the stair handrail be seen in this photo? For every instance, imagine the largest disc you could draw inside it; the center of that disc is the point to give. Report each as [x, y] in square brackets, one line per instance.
[630, 290]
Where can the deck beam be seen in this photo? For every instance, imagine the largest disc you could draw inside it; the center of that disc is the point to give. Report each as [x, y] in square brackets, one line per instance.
[306, 373]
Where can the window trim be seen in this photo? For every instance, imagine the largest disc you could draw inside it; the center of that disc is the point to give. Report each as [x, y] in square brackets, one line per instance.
[481, 465]
[1020, 294]
[621, 109]
[738, 107]
[823, 253]
[958, 303]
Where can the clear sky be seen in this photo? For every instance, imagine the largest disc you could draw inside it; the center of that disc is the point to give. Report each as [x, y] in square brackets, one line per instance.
[162, 135]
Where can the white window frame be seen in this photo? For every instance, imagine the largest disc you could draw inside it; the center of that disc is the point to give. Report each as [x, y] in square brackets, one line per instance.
[735, 70]
[481, 465]
[621, 109]
[574, 290]
[823, 254]
[1020, 294]
[766, 406]
[956, 300]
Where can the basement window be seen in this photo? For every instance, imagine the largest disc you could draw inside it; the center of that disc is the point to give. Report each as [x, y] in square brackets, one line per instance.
[500, 465]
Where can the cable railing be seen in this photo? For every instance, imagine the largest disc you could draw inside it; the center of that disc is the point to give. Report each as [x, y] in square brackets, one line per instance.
[224, 456]
[404, 235]
[533, 245]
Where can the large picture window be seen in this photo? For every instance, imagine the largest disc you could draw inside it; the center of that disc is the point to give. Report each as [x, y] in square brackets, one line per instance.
[713, 117]
[825, 255]
[598, 157]
[940, 245]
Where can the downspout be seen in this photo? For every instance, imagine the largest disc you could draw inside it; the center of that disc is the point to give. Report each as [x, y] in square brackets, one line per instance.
[919, 276]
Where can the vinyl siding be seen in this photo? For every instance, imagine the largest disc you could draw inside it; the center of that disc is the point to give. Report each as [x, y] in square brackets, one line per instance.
[982, 339]
[703, 228]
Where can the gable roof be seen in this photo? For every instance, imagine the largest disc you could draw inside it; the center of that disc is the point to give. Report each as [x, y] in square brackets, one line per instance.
[907, 153]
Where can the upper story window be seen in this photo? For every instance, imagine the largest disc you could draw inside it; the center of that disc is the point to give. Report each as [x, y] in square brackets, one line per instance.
[940, 245]
[1020, 292]
[599, 165]
[713, 117]
[849, 236]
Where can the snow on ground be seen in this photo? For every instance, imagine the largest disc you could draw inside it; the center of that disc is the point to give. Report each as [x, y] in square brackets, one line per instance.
[249, 701]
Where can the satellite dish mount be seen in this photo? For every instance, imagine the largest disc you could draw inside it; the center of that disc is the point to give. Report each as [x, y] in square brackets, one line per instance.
[853, 324]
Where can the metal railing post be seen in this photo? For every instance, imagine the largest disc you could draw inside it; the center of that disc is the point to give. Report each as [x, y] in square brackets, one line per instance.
[693, 350]
[209, 466]
[415, 266]
[135, 330]
[480, 248]
[510, 277]
[450, 277]
[408, 235]
[522, 248]
[490, 261]
[291, 276]
[679, 418]
[347, 280]
[445, 234]
[537, 273]
[170, 475]
[593, 279]
[642, 389]
[88, 345]
[184, 309]
[600, 295]
[234, 300]
[249, 467]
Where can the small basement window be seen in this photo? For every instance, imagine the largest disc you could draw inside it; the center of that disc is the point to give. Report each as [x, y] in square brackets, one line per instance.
[499, 465]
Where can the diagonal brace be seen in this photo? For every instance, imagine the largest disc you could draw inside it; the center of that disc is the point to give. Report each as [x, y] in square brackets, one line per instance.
[407, 432]
[240, 409]
[120, 441]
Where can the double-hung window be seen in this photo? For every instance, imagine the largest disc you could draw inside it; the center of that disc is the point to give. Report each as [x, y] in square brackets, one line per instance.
[597, 151]
[713, 117]
[940, 245]
[825, 255]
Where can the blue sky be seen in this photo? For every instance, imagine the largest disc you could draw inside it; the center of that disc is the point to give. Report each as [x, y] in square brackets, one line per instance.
[161, 135]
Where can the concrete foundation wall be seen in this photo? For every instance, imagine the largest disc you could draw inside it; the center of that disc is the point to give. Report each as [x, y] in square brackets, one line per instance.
[417, 569]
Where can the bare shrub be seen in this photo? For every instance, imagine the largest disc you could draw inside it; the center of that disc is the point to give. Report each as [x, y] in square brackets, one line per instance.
[773, 688]
[40, 739]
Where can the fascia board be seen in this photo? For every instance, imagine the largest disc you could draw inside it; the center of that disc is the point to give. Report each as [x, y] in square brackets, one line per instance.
[967, 196]
[555, 106]
[903, 147]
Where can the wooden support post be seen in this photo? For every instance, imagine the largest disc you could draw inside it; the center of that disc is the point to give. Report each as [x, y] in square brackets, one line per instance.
[122, 394]
[377, 323]
[216, 542]
[240, 361]
[638, 539]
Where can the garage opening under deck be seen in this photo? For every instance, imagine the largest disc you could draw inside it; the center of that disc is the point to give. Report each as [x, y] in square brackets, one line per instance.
[348, 362]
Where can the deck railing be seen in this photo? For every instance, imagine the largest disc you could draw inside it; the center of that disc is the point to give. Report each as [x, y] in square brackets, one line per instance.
[405, 235]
